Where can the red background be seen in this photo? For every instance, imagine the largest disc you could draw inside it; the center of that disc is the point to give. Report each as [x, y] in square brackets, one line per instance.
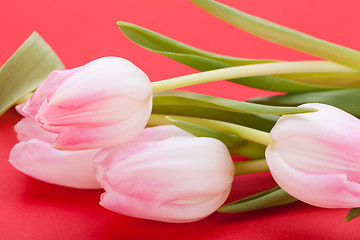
[80, 31]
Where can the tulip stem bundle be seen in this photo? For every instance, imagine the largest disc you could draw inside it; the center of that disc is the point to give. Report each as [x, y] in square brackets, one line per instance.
[250, 71]
[238, 130]
[251, 166]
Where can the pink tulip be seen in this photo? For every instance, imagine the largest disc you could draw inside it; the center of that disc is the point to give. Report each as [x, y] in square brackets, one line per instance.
[315, 157]
[103, 103]
[35, 157]
[165, 174]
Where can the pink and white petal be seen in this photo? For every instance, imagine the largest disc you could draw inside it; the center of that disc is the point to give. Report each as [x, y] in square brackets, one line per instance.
[111, 75]
[175, 212]
[142, 170]
[28, 129]
[33, 104]
[318, 126]
[19, 109]
[66, 168]
[322, 190]
[315, 156]
[160, 133]
[90, 113]
[79, 138]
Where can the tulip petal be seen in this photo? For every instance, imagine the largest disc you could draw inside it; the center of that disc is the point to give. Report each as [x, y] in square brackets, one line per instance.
[112, 76]
[28, 129]
[32, 106]
[66, 168]
[73, 137]
[161, 132]
[325, 141]
[327, 122]
[19, 109]
[175, 212]
[319, 156]
[92, 113]
[323, 190]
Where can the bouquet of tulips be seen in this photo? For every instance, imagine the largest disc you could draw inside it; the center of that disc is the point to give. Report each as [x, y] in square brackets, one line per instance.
[166, 155]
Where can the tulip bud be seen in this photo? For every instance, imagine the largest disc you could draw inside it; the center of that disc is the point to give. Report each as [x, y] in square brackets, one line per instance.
[103, 103]
[315, 157]
[35, 157]
[166, 177]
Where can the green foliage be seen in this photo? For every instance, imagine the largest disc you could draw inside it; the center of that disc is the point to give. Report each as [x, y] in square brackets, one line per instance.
[235, 144]
[345, 99]
[270, 198]
[353, 213]
[181, 98]
[26, 69]
[205, 61]
[282, 35]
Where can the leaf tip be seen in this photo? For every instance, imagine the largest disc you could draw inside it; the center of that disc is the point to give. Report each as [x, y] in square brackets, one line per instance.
[222, 209]
[124, 24]
[35, 33]
[352, 214]
[348, 218]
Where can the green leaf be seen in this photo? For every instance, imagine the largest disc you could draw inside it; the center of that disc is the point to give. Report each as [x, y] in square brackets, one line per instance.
[228, 139]
[270, 198]
[345, 99]
[263, 123]
[281, 84]
[26, 69]
[158, 43]
[353, 213]
[235, 144]
[336, 80]
[282, 35]
[205, 61]
[179, 97]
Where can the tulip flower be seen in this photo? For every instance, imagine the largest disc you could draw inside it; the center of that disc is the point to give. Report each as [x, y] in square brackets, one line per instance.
[315, 157]
[165, 174]
[103, 103]
[35, 157]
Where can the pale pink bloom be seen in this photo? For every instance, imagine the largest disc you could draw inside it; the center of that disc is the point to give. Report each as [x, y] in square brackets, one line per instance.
[165, 174]
[315, 157]
[35, 157]
[103, 103]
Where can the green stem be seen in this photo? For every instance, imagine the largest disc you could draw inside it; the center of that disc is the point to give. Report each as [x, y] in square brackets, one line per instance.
[251, 71]
[252, 166]
[241, 131]
[158, 119]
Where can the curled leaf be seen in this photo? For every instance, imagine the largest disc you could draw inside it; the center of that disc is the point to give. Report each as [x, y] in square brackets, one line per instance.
[178, 97]
[344, 99]
[282, 35]
[26, 69]
[205, 61]
[267, 199]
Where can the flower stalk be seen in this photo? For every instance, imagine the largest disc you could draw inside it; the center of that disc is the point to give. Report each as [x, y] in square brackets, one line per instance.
[250, 71]
[251, 166]
[241, 131]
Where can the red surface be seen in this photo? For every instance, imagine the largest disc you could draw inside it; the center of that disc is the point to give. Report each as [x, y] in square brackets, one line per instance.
[80, 31]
